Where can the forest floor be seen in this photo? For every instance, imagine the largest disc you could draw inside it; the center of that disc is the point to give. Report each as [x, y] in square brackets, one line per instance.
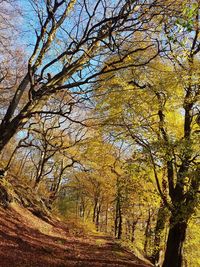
[26, 240]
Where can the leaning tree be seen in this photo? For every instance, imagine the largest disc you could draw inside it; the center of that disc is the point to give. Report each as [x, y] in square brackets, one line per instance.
[69, 41]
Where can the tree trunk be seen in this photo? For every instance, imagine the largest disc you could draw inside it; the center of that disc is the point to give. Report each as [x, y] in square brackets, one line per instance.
[133, 227]
[174, 249]
[98, 210]
[94, 210]
[106, 219]
[159, 232]
[9, 128]
[119, 235]
[6, 133]
[147, 233]
[40, 170]
[118, 219]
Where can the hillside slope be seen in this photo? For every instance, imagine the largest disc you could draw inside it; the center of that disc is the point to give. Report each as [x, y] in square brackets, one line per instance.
[26, 240]
[31, 236]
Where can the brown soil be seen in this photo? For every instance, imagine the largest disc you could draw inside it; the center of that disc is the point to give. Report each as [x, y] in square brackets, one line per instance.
[26, 240]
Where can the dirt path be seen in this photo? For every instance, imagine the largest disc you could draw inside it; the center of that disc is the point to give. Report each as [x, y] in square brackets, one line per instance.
[52, 246]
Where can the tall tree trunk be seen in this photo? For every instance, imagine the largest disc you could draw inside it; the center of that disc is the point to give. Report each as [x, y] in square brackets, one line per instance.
[119, 235]
[94, 209]
[9, 128]
[147, 233]
[98, 210]
[159, 232]
[106, 218]
[118, 219]
[176, 238]
[133, 227]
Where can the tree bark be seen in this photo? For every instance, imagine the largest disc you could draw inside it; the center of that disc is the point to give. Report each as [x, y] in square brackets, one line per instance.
[133, 227]
[10, 128]
[94, 209]
[147, 233]
[176, 238]
[159, 232]
[98, 210]
[118, 219]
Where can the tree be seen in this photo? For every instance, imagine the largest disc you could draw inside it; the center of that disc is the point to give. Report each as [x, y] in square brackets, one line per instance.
[67, 53]
[150, 107]
[183, 193]
[146, 115]
[12, 59]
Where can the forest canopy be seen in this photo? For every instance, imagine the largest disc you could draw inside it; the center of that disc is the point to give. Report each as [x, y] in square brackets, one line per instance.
[100, 115]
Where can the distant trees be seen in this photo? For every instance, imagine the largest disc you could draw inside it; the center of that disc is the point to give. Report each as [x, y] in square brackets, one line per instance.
[147, 111]
[126, 72]
[11, 57]
[111, 192]
[156, 108]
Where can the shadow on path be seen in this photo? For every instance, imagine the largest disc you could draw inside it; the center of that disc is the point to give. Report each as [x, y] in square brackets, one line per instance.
[22, 246]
